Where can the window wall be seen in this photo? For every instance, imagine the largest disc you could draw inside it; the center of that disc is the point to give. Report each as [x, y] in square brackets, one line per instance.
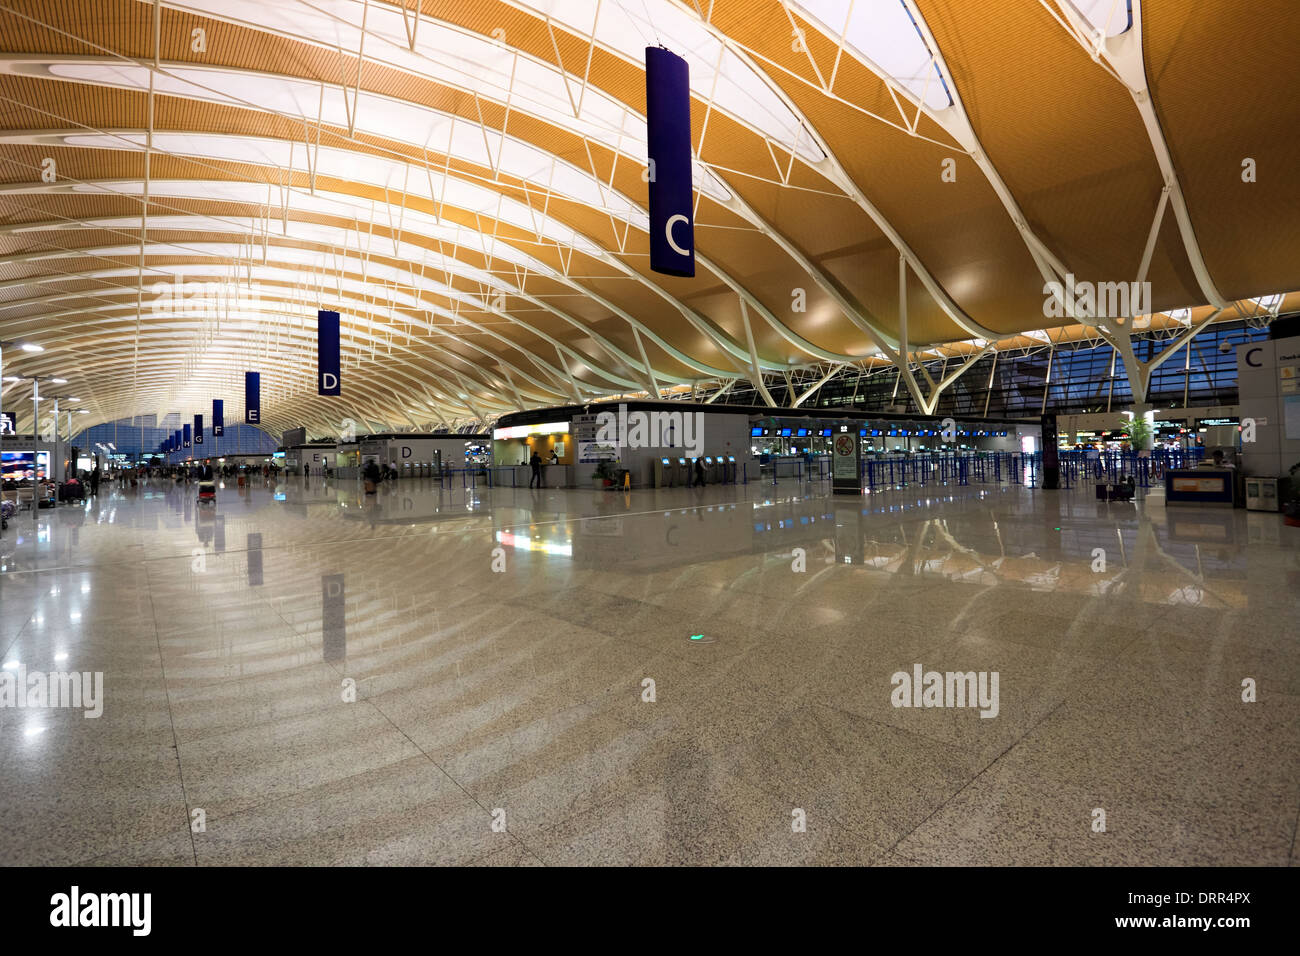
[1073, 379]
[141, 435]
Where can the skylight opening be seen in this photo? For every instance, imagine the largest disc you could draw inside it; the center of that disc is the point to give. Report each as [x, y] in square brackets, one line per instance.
[348, 166]
[885, 36]
[463, 59]
[1109, 18]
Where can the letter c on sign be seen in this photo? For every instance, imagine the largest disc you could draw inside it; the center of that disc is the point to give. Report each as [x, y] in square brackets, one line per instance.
[668, 233]
[1249, 361]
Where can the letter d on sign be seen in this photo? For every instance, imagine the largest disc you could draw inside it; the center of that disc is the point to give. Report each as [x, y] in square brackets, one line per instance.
[327, 353]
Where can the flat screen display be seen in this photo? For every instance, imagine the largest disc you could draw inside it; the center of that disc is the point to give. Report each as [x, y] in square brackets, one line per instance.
[25, 465]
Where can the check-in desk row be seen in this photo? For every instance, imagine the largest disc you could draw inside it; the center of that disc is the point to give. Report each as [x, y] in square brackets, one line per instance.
[680, 471]
[419, 469]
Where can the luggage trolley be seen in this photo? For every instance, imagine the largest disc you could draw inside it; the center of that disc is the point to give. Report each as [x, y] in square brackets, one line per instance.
[207, 492]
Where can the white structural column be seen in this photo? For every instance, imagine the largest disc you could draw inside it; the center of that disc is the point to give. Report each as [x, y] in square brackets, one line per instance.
[1123, 54]
[902, 359]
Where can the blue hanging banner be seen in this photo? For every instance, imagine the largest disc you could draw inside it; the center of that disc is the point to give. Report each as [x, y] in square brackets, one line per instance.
[668, 125]
[252, 398]
[218, 417]
[328, 363]
[198, 429]
[176, 440]
[188, 437]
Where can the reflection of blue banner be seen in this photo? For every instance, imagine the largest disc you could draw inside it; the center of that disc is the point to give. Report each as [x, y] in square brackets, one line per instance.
[188, 438]
[198, 429]
[254, 549]
[668, 124]
[218, 417]
[327, 354]
[252, 398]
[334, 625]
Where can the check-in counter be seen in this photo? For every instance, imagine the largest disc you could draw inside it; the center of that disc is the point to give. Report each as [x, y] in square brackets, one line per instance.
[1200, 486]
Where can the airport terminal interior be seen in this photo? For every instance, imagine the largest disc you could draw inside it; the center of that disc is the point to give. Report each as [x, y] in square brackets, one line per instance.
[649, 433]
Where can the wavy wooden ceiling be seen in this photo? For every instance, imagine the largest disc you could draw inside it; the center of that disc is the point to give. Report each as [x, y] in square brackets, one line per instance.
[1059, 140]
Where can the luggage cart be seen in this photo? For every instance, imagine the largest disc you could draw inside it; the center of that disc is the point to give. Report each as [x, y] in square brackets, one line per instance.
[207, 492]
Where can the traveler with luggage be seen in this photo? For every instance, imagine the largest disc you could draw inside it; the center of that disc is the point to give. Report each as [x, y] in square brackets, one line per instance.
[372, 476]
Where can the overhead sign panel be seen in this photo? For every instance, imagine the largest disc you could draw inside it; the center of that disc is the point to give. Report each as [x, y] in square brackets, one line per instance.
[328, 362]
[668, 125]
[252, 398]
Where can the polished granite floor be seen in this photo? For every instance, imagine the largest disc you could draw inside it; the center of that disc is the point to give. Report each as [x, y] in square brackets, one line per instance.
[500, 642]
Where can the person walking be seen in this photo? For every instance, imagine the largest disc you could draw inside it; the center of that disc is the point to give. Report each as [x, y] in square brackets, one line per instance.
[536, 462]
[699, 473]
[94, 481]
[372, 476]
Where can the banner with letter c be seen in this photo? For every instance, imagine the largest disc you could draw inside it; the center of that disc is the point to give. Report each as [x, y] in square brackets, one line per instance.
[328, 363]
[668, 125]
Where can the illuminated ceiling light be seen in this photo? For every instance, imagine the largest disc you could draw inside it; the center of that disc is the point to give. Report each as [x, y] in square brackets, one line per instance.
[29, 347]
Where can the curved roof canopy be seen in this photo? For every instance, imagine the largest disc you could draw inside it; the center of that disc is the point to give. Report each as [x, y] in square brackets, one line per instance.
[183, 184]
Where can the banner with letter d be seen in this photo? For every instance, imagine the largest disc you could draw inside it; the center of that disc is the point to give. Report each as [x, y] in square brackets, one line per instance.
[328, 362]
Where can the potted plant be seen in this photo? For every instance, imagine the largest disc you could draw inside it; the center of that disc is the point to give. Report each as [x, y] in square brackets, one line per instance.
[1137, 430]
[603, 476]
[1291, 507]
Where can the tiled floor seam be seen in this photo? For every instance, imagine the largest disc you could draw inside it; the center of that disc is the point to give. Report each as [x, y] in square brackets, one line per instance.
[442, 770]
[171, 720]
[962, 789]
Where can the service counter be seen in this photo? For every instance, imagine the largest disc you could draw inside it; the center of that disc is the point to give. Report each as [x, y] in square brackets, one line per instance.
[1200, 486]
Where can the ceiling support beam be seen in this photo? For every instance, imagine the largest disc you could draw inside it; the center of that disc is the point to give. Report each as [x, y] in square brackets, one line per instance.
[835, 369]
[754, 370]
[1124, 55]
